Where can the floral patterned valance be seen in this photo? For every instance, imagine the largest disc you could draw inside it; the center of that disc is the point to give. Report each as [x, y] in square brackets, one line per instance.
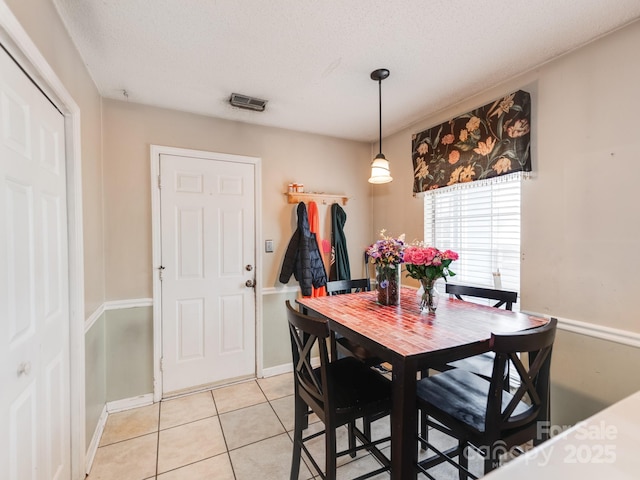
[487, 142]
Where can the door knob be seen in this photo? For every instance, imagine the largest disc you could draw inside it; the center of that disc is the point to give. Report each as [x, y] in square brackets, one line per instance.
[248, 268]
[24, 368]
[250, 283]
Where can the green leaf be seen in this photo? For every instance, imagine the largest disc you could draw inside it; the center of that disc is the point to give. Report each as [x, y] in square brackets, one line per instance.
[465, 147]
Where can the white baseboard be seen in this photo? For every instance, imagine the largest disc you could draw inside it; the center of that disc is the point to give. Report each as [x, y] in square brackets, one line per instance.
[129, 403]
[112, 407]
[95, 440]
[286, 368]
[279, 370]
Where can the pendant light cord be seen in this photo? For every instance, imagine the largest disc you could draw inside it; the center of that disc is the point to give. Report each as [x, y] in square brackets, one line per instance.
[380, 111]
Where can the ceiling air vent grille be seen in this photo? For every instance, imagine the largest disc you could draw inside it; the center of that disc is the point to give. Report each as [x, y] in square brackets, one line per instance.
[250, 103]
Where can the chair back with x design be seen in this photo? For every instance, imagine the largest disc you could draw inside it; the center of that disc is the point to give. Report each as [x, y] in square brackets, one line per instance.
[338, 392]
[305, 333]
[533, 389]
[480, 412]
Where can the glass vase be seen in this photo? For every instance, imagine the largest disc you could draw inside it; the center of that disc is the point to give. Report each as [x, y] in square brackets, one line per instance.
[388, 284]
[430, 297]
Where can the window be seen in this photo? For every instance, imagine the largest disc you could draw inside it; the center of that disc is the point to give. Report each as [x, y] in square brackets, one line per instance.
[480, 221]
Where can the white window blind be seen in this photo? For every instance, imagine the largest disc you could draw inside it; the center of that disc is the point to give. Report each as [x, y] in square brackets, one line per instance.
[481, 222]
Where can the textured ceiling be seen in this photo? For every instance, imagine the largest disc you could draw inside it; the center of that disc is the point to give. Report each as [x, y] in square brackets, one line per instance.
[311, 59]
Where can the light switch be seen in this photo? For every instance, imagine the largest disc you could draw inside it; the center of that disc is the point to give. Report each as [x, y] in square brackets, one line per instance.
[268, 246]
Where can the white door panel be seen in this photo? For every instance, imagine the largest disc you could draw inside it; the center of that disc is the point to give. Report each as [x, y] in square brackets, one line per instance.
[34, 287]
[23, 440]
[208, 312]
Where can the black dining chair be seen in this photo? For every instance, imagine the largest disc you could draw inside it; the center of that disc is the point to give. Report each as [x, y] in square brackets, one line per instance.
[480, 413]
[503, 297]
[338, 392]
[341, 346]
[336, 287]
[479, 364]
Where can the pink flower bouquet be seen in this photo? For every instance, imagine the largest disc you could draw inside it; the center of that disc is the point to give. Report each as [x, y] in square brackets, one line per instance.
[428, 263]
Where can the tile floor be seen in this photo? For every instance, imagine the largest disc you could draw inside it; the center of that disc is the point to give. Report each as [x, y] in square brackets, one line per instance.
[238, 432]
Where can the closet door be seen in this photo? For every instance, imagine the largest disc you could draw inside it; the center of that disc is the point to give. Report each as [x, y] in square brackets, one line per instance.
[34, 286]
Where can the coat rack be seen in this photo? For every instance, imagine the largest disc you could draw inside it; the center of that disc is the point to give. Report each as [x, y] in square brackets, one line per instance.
[320, 198]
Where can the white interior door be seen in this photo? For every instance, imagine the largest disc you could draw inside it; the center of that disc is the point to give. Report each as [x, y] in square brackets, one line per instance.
[34, 287]
[208, 254]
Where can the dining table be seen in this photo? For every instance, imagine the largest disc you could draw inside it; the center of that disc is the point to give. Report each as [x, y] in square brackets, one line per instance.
[412, 341]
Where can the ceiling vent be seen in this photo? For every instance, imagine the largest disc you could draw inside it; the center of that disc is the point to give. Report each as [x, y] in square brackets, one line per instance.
[250, 103]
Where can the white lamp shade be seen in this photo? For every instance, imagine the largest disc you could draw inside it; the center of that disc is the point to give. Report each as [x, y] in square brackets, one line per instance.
[380, 172]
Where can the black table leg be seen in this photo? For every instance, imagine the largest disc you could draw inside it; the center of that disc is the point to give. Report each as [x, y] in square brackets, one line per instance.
[404, 420]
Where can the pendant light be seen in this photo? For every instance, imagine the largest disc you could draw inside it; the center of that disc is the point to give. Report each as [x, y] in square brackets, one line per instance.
[380, 172]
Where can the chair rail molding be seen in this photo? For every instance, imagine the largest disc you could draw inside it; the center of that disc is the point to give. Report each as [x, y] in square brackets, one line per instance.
[130, 303]
[601, 332]
[93, 318]
[280, 290]
[115, 305]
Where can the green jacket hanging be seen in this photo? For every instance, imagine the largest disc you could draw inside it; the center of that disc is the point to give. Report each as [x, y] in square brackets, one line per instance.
[339, 269]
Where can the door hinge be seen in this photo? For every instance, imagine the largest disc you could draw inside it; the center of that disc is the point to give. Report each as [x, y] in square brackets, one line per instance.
[160, 271]
[159, 181]
[162, 364]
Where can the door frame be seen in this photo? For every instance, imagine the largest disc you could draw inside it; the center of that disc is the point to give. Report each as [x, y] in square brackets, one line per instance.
[20, 46]
[156, 235]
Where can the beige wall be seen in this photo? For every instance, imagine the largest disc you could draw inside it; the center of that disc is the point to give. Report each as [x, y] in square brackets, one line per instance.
[322, 163]
[40, 19]
[580, 228]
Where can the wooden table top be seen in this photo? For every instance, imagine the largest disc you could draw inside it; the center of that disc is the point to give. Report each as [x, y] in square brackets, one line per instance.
[406, 331]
